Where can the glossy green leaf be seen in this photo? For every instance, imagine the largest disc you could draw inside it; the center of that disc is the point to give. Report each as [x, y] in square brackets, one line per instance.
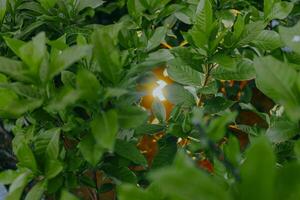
[129, 151]
[261, 160]
[48, 4]
[36, 191]
[159, 110]
[107, 54]
[88, 85]
[203, 23]
[217, 104]
[177, 180]
[25, 156]
[184, 74]
[291, 37]
[53, 168]
[177, 94]
[280, 10]
[8, 176]
[14, 69]
[121, 173]
[67, 195]
[243, 71]
[17, 187]
[2, 9]
[91, 151]
[66, 58]
[268, 40]
[270, 71]
[131, 116]
[105, 128]
[157, 37]
[282, 131]
[89, 4]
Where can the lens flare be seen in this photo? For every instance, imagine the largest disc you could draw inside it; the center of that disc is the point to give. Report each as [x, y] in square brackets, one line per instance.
[158, 91]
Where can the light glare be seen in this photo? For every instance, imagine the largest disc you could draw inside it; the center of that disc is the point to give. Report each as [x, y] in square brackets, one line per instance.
[158, 91]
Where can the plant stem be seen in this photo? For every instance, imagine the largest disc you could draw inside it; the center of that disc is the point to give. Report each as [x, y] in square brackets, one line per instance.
[209, 68]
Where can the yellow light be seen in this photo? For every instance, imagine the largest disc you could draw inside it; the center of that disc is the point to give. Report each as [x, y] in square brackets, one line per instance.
[158, 91]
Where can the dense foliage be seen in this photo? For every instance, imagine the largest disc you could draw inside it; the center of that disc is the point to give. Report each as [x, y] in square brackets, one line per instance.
[80, 118]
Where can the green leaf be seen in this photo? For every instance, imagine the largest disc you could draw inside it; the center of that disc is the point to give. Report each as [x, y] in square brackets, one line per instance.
[6, 95]
[251, 32]
[270, 71]
[268, 40]
[121, 173]
[159, 110]
[32, 53]
[177, 180]
[157, 58]
[66, 58]
[52, 150]
[52, 168]
[157, 37]
[66, 96]
[25, 156]
[280, 10]
[48, 4]
[65, 195]
[243, 71]
[135, 8]
[68, 78]
[17, 187]
[217, 127]
[296, 150]
[129, 151]
[291, 36]
[17, 108]
[261, 160]
[14, 45]
[217, 104]
[36, 191]
[131, 116]
[225, 61]
[2, 9]
[132, 192]
[184, 74]
[232, 150]
[203, 23]
[167, 149]
[268, 5]
[106, 52]
[238, 28]
[82, 4]
[88, 85]
[47, 144]
[105, 128]
[282, 131]
[177, 94]
[91, 151]
[187, 56]
[14, 69]
[204, 16]
[149, 129]
[8, 176]
[287, 181]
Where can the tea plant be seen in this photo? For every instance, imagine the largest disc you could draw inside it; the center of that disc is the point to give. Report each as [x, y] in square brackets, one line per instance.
[148, 99]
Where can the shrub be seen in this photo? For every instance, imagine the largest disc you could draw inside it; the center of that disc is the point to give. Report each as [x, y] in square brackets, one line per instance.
[149, 99]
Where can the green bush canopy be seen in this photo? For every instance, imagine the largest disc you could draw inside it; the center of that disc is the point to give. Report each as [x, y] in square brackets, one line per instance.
[150, 99]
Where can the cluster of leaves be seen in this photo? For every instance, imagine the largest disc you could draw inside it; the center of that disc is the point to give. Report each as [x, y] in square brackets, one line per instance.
[72, 83]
